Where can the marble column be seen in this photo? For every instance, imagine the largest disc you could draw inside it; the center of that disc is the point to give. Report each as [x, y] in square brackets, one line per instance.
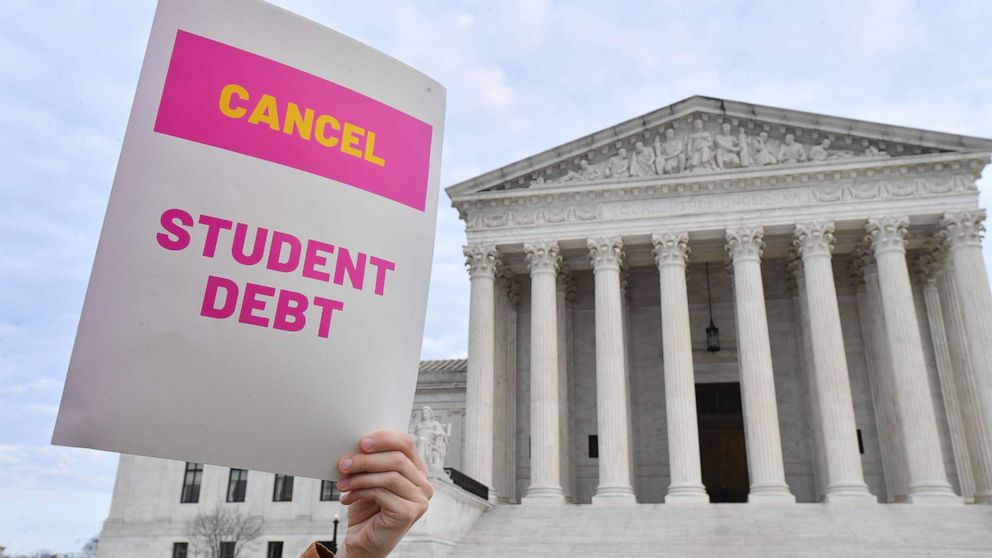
[962, 233]
[483, 262]
[545, 469]
[845, 479]
[927, 266]
[764, 442]
[505, 396]
[798, 290]
[883, 380]
[564, 298]
[612, 403]
[976, 430]
[671, 250]
[917, 423]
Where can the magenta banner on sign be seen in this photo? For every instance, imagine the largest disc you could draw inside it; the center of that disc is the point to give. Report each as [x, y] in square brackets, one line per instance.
[225, 97]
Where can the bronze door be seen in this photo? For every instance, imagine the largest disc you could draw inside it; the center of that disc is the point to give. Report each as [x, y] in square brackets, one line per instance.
[722, 451]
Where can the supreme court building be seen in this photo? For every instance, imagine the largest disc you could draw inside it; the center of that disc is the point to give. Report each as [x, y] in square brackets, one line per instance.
[837, 264]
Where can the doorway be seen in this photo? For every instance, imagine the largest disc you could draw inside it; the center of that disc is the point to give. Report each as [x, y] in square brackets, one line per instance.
[722, 450]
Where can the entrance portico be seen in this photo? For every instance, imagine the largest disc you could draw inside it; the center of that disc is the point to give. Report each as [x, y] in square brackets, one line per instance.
[851, 390]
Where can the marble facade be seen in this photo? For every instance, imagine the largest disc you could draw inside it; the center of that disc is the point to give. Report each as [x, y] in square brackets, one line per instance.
[836, 246]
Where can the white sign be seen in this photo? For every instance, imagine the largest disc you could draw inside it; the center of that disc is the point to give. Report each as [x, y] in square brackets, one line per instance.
[259, 290]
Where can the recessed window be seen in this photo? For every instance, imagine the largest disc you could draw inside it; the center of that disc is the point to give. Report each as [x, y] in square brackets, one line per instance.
[329, 491]
[191, 483]
[227, 549]
[180, 549]
[593, 446]
[275, 549]
[237, 485]
[861, 443]
[282, 490]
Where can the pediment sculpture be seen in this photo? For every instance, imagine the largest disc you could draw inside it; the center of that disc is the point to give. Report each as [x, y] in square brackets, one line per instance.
[705, 147]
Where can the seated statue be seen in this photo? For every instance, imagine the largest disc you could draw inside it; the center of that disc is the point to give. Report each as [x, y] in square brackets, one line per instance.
[791, 151]
[670, 154]
[431, 439]
[700, 148]
[618, 166]
[728, 149]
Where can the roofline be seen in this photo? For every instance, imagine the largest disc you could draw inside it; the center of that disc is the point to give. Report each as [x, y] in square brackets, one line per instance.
[788, 117]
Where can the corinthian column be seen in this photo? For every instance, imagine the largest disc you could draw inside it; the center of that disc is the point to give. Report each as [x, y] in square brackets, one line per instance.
[612, 411]
[845, 479]
[764, 442]
[671, 250]
[927, 266]
[917, 425]
[545, 479]
[963, 236]
[483, 261]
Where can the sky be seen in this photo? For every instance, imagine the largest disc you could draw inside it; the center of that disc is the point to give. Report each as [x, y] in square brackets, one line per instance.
[522, 76]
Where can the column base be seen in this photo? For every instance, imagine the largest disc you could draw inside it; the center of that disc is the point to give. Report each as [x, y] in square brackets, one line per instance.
[687, 494]
[849, 494]
[614, 496]
[984, 498]
[775, 494]
[940, 495]
[544, 496]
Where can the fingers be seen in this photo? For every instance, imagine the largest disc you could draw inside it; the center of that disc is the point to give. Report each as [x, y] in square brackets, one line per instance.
[393, 441]
[395, 461]
[390, 480]
[401, 511]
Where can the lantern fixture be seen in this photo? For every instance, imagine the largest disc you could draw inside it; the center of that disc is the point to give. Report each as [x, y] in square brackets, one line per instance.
[712, 332]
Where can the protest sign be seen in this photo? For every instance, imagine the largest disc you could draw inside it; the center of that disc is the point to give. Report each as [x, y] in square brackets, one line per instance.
[258, 294]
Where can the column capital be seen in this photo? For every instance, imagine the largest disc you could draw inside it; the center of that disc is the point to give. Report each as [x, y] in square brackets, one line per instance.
[887, 234]
[482, 260]
[745, 243]
[929, 263]
[856, 269]
[542, 257]
[605, 253]
[565, 283]
[964, 228]
[814, 238]
[507, 281]
[793, 272]
[671, 248]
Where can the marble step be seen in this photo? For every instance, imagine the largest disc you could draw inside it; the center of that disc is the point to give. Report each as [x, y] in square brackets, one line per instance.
[738, 530]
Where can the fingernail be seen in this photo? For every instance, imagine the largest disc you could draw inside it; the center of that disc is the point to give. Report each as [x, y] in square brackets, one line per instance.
[343, 484]
[367, 443]
[347, 463]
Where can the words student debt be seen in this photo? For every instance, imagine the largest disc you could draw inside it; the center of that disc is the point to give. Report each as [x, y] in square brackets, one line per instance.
[280, 252]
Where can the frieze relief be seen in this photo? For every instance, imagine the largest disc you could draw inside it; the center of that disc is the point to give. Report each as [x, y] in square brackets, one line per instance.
[712, 199]
[705, 143]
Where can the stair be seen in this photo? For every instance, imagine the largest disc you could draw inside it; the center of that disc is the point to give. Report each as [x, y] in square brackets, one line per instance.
[737, 530]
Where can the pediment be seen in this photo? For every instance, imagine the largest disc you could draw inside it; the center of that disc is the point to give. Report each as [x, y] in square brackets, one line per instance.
[702, 135]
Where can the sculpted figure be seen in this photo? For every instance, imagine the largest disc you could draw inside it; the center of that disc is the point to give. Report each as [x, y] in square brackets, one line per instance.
[671, 154]
[820, 152]
[586, 171]
[618, 165]
[700, 147]
[642, 161]
[873, 151]
[728, 149]
[758, 150]
[791, 152]
[431, 439]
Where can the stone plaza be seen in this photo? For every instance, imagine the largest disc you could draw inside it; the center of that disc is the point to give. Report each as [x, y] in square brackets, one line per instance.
[715, 303]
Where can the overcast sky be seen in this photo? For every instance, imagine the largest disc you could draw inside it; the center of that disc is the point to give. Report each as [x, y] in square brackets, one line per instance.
[522, 76]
